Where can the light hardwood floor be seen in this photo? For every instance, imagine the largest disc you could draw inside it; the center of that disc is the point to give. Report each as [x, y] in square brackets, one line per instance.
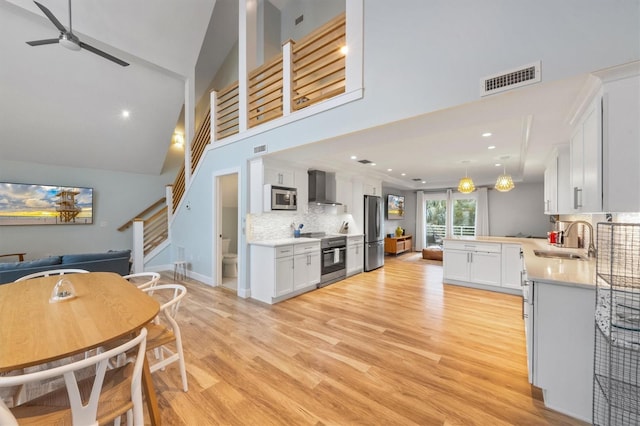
[390, 347]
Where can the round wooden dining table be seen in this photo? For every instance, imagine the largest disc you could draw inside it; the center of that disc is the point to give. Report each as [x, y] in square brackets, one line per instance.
[106, 308]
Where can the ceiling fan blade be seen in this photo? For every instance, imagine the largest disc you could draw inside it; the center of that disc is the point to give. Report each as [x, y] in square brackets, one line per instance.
[41, 42]
[51, 17]
[103, 54]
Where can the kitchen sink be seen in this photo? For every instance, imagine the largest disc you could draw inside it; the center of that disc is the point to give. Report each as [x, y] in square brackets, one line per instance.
[558, 255]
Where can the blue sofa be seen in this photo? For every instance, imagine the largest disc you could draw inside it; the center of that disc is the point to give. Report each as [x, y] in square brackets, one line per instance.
[111, 261]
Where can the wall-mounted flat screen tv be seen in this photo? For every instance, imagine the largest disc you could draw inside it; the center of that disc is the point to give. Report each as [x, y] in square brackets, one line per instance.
[395, 206]
[31, 204]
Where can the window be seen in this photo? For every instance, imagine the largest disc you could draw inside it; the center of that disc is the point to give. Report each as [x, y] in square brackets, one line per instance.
[436, 220]
[464, 216]
[449, 214]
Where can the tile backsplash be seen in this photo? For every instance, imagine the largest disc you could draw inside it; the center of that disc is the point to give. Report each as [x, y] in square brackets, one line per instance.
[275, 225]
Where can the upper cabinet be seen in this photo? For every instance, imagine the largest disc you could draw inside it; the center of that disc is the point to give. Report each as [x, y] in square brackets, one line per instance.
[556, 181]
[265, 171]
[621, 145]
[279, 176]
[605, 146]
[586, 160]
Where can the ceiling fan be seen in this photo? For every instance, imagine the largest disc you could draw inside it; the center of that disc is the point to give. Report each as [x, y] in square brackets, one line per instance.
[68, 39]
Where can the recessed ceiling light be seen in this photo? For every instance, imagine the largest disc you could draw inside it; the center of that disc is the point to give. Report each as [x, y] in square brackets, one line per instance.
[424, 181]
[125, 113]
[373, 164]
[498, 164]
[353, 157]
[403, 174]
[389, 170]
[486, 134]
[491, 147]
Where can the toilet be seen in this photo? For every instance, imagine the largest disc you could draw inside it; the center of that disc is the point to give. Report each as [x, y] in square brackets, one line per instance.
[229, 260]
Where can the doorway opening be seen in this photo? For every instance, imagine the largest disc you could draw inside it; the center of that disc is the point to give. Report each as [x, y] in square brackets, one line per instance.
[227, 262]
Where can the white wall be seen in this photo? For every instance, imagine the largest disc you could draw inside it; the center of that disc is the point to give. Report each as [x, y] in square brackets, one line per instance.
[118, 197]
[518, 211]
[315, 13]
[425, 56]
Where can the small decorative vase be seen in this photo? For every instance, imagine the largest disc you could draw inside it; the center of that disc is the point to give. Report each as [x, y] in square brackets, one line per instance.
[398, 232]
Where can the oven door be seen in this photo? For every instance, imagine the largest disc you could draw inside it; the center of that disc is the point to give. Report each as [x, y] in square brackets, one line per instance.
[333, 259]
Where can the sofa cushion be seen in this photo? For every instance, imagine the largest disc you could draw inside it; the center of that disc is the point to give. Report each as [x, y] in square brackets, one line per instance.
[87, 257]
[47, 261]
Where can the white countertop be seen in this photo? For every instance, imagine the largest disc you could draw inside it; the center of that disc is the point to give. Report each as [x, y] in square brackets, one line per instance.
[284, 241]
[571, 272]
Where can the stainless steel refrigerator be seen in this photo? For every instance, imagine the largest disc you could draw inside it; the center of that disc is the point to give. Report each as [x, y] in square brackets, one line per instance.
[373, 234]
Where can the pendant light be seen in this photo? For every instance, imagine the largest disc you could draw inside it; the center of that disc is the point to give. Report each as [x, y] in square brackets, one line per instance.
[466, 185]
[504, 183]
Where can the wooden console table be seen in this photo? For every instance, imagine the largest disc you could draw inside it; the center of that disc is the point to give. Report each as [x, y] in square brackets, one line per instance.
[397, 245]
[20, 256]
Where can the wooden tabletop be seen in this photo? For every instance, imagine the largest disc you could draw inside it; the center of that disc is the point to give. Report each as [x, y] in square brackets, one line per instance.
[106, 307]
[34, 331]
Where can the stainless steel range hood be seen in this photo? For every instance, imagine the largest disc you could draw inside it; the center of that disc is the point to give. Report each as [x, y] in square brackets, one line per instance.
[322, 188]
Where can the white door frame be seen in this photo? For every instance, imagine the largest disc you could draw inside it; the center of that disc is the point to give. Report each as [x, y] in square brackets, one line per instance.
[216, 272]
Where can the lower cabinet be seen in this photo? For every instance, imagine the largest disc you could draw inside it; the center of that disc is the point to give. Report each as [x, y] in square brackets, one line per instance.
[280, 272]
[306, 269]
[355, 255]
[474, 263]
[494, 266]
[512, 266]
[562, 346]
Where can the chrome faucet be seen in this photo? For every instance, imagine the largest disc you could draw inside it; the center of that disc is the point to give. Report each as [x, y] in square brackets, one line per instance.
[591, 251]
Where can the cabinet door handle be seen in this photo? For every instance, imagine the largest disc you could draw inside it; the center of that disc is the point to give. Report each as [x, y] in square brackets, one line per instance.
[577, 192]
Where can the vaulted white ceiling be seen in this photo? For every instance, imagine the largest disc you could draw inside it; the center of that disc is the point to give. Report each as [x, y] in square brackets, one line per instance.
[63, 107]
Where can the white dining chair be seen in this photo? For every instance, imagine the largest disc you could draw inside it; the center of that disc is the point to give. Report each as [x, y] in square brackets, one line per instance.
[143, 279]
[165, 330]
[94, 400]
[52, 272]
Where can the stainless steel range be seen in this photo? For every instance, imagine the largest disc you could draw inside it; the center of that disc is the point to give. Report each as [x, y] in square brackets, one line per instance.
[333, 257]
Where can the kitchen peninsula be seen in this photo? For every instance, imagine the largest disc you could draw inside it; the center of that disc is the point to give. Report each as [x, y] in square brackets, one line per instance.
[558, 312]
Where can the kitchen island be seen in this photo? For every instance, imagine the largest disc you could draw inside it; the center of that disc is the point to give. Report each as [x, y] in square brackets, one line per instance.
[558, 313]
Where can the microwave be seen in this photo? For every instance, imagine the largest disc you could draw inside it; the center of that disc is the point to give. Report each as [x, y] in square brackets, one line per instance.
[280, 198]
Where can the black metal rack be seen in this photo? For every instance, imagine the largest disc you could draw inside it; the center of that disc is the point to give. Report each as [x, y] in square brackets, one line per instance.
[616, 375]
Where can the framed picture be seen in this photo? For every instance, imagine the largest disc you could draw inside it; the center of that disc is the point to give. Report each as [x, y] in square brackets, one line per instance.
[32, 204]
[395, 206]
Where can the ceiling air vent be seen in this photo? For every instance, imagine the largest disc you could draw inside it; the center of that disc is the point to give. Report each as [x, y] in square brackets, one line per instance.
[507, 80]
[259, 149]
[364, 161]
[417, 179]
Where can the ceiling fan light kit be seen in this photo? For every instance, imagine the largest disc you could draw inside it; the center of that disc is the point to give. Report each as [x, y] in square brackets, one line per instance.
[70, 40]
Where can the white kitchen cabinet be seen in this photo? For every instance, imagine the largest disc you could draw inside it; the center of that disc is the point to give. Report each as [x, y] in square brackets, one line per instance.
[372, 188]
[556, 181]
[621, 149]
[306, 265]
[604, 145]
[344, 193]
[562, 352]
[355, 255]
[280, 272]
[283, 281]
[279, 176]
[586, 160]
[472, 263]
[512, 266]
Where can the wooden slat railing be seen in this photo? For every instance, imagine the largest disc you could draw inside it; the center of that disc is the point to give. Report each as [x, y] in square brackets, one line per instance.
[200, 141]
[319, 64]
[265, 92]
[178, 189]
[144, 213]
[156, 230]
[227, 112]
